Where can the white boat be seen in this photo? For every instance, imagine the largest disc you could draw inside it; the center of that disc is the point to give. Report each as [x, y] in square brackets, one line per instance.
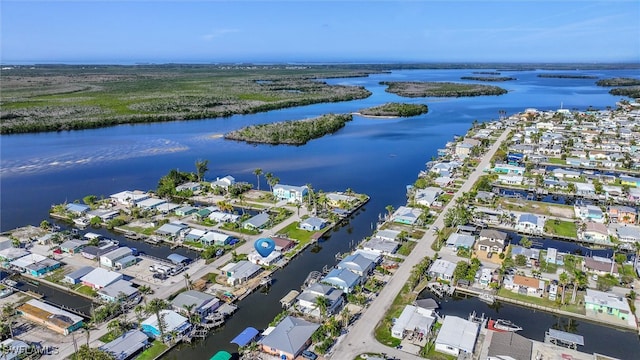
[488, 298]
[265, 281]
[506, 325]
[81, 222]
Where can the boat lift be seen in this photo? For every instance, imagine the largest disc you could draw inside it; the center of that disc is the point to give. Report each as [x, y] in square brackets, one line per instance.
[561, 338]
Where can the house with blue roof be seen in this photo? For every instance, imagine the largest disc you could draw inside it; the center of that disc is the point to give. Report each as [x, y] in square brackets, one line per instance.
[530, 223]
[358, 264]
[78, 209]
[312, 224]
[629, 180]
[343, 279]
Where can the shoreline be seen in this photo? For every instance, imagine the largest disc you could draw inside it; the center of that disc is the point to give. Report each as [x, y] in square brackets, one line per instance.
[376, 116]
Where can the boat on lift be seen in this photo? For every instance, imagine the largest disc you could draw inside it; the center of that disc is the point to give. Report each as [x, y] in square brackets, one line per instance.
[504, 325]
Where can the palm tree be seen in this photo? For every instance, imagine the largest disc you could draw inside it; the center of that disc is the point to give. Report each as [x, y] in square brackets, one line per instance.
[225, 206]
[145, 290]
[189, 308]
[202, 166]
[322, 304]
[257, 172]
[579, 279]
[187, 281]
[298, 206]
[139, 311]
[389, 209]
[563, 279]
[114, 326]
[8, 311]
[346, 316]
[156, 306]
[310, 193]
[269, 177]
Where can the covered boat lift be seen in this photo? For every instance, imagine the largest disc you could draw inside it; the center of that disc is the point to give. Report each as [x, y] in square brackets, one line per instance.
[569, 340]
[245, 337]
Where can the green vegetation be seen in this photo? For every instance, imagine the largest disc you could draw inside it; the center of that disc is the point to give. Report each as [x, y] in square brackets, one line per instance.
[561, 228]
[406, 248]
[557, 161]
[303, 237]
[631, 91]
[297, 132]
[488, 78]
[153, 351]
[86, 290]
[542, 301]
[55, 98]
[395, 109]
[440, 89]
[618, 82]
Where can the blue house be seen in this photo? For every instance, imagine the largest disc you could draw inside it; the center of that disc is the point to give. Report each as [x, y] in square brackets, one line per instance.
[312, 224]
[290, 193]
[515, 158]
[342, 279]
[508, 169]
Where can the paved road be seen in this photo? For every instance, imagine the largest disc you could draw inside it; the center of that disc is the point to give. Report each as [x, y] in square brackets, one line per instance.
[360, 338]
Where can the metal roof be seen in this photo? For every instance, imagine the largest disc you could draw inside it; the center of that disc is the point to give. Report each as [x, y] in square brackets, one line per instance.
[245, 337]
[566, 337]
[177, 258]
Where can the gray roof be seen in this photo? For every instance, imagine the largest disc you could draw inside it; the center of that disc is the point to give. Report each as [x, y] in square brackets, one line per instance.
[356, 262]
[118, 253]
[121, 286]
[80, 272]
[510, 344]
[314, 222]
[461, 240]
[381, 245]
[628, 232]
[342, 278]
[428, 304]
[441, 266]
[258, 220]
[290, 335]
[313, 291]
[73, 243]
[566, 337]
[458, 333]
[493, 234]
[126, 345]
[387, 234]
[170, 229]
[192, 297]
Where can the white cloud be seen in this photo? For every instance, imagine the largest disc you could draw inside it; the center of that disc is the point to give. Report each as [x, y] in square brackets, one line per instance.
[218, 33]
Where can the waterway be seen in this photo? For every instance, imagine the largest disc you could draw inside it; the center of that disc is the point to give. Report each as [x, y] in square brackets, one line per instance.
[535, 323]
[373, 156]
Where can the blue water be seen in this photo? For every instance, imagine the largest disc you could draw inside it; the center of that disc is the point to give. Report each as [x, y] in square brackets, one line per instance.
[374, 156]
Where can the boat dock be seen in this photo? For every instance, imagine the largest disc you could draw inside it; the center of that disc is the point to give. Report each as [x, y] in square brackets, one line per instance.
[561, 338]
[288, 299]
[441, 290]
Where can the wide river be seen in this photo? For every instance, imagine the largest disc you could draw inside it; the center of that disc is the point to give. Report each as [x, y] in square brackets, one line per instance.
[375, 156]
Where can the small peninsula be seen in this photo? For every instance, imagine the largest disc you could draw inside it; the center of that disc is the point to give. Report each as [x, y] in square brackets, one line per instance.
[566, 76]
[488, 78]
[440, 89]
[294, 132]
[395, 110]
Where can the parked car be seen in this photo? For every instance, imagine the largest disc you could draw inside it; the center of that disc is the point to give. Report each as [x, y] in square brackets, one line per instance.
[309, 355]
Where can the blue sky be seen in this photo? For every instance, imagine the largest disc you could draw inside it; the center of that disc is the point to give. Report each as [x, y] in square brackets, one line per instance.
[323, 31]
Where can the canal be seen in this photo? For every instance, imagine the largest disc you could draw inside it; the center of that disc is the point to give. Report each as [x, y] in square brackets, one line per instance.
[597, 338]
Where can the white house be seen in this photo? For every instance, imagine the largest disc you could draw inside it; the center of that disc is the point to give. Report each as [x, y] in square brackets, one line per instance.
[530, 223]
[306, 301]
[427, 196]
[457, 336]
[412, 319]
[442, 269]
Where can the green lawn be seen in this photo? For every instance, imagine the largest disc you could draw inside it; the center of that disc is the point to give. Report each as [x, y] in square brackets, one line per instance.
[303, 236]
[86, 290]
[545, 301]
[195, 244]
[561, 227]
[56, 275]
[557, 161]
[153, 351]
[110, 336]
[406, 248]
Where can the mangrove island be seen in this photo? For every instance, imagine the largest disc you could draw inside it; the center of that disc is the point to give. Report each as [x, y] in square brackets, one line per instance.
[440, 89]
[395, 110]
[488, 78]
[294, 132]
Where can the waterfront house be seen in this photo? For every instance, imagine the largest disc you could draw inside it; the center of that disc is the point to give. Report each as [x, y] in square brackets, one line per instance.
[215, 238]
[110, 258]
[203, 304]
[186, 211]
[589, 212]
[562, 173]
[224, 182]
[629, 180]
[306, 302]
[51, 317]
[526, 285]
[73, 246]
[172, 229]
[121, 290]
[150, 203]
[75, 276]
[257, 222]
[600, 266]
[387, 234]
[99, 278]
[443, 181]
[223, 217]
[442, 270]
[594, 233]
[312, 224]
[167, 207]
[552, 257]
[35, 264]
[204, 213]
[622, 214]
[510, 179]
[194, 235]
[509, 169]
[380, 246]
[458, 240]
[238, 273]
[375, 257]
[598, 303]
[289, 338]
[283, 245]
[290, 193]
[189, 186]
[129, 198]
[492, 241]
[172, 323]
[457, 336]
[463, 149]
[413, 319]
[92, 252]
[342, 279]
[585, 189]
[628, 233]
[127, 345]
[445, 168]
[268, 260]
[339, 200]
[428, 196]
[530, 223]
[77, 209]
[509, 345]
[406, 215]
[357, 264]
